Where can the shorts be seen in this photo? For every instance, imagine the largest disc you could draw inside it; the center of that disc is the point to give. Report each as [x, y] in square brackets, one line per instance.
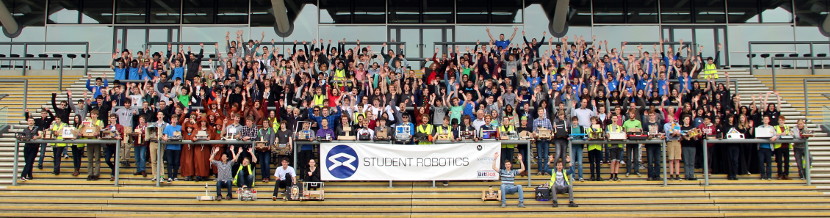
[673, 150]
[616, 153]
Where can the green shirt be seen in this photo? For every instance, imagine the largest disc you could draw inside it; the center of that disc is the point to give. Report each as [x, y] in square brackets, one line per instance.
[630, 124]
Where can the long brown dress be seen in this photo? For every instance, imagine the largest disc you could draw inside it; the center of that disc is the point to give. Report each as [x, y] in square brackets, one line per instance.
[201, 157]
[187, 165]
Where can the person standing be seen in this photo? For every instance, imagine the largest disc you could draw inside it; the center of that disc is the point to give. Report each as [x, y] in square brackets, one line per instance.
[173, 152]
[542, 144]
[268, 135]
[125, 118]
[782, 150]
[43, 123]
[765, 150]
[632, 150]
[29, 149]
[673, 148]
[109, 150]
[653, 150]
[689, 145]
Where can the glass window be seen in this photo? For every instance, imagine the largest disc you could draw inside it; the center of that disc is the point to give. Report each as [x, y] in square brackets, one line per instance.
[199, 11]
[672, 11]
[506, 11]
[472, 11]
[131, 11]
[743, 11]
[167, 11]
[609, 11]
[97, 11]
[369, 11]
[232, 12]
[27, 12]
[811, 14]
[405, 11]
[261, 12]
[64, 11]
[773, 11]
[582, 15]
[438, 11]
[339, 10]
[710, 11]
[638, 11]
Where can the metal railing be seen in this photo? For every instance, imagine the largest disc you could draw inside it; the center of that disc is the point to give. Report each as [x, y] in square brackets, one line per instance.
[215, 49]
[59, 60]
[70, 141]
[25, 89]
[811, 43]
[753, 141]
[162, 144]
[826, 121]
[4, 119]
[27, 44]
[627, 142]
[807, 91]
[812, 68]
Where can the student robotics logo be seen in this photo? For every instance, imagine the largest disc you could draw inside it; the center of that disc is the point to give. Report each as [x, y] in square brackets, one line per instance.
[342, 161]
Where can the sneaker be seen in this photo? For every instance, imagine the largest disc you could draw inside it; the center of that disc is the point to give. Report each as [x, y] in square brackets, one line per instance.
[23, 179]
[626, 174]
[503, 205]
[175, 179]
[169, 180]
[638, 174]
[229, 197]
[622, 162]
[555, 204]
[521, 205]
[446, 183]
[572, 204]
[581, 180]
[274, 198]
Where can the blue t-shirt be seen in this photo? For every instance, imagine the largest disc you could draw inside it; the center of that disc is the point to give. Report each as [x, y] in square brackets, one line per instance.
[120, 73]
[134, 74]
[168, 131]
[502, 43]
[662, 88]
[178, 72]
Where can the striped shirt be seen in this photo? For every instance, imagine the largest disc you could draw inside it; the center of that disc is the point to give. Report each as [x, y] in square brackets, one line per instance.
[507, 177]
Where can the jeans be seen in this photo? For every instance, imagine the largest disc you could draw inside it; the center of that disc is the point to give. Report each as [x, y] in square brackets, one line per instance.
[542, 151]
[800, 161]
[561, 150]
[42, 155]
[77, 157]
[56, 159]
[594, 158]
[765, 161]
[29, 153]
[223, 184]
[140, 158]
[632, 151]
[576, 157]
[109, 152]
[562, 190]
[654, 158]
[507, 189]
[689, 161]
[243, 180]
[264, 162]
[285, 184]
[93, 165]
[173, 157]
[782, 160]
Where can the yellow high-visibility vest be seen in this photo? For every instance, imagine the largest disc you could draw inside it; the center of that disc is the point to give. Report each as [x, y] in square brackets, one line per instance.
[710, 71]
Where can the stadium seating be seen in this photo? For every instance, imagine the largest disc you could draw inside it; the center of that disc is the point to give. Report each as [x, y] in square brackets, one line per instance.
[65, 195]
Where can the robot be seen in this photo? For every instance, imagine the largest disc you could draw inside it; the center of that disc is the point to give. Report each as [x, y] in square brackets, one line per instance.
[246, 194]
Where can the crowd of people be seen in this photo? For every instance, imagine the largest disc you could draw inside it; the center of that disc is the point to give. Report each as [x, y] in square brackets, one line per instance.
[253, 91]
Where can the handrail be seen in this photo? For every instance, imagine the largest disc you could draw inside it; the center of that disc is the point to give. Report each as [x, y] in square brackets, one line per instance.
[59, 60]
[79, 141]
[807, 91]
[514, 142]
[811, 59]
[26, 49]
[25, 89]
[162, 144]
[752, 141]
[750, 43]
[215, 49]
[650, 141]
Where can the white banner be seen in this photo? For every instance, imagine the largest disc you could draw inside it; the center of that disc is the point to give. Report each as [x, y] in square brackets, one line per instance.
[385, 162]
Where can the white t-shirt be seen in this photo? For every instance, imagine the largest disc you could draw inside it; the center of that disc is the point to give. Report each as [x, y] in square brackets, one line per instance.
[280, 173]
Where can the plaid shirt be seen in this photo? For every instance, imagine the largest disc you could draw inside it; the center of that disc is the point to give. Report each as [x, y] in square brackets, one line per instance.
[542, 122]
[248, 131]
